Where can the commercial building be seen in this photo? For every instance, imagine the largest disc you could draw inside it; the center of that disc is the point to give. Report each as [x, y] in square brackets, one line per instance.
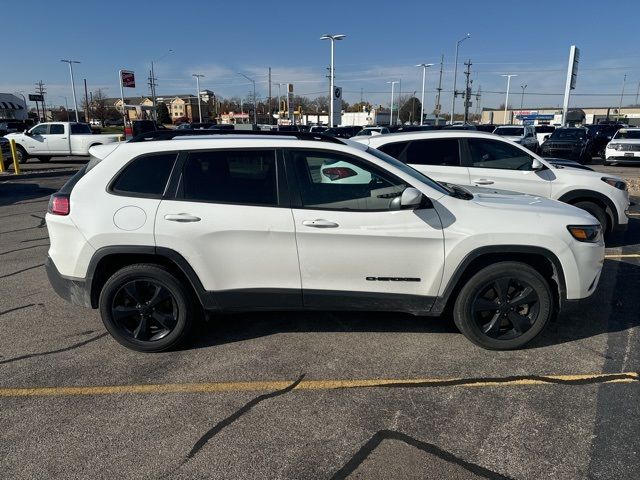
[553, 115]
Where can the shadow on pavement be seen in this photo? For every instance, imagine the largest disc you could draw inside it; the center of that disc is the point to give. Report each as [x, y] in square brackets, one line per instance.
[11, 193]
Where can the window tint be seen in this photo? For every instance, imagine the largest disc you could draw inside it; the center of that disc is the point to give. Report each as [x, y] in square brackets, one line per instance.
[393, 149]
[56, 129]
[443, 151]
[145, 175]
[544, 129]
[492, 154]
[235, 176]
[331, 181]
[80, 128]
[40, 130]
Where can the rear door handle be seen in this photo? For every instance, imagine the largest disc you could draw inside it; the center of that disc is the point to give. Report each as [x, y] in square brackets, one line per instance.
[181, 217]
[319, 223]
[482, 181]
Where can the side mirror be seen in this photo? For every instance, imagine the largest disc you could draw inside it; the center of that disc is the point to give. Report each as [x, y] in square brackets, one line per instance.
[28, 133]
[537, 165]
[411, 198]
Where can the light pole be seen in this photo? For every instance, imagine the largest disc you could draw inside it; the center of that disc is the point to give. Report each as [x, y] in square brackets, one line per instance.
[73, 87]
[393, 83]
[455, 77]
[333, 38]
[255, 103]
[624, 82]
[424, 75]
[153, 85]
[523, 87]
[506, 102]
[198, 77]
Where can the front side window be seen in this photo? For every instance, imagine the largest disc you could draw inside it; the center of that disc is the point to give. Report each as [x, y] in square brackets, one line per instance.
[145, 176]
[501, 155]
[39, 130]
[245, 177]
[333, 181]
[443, 151]
[56, 129]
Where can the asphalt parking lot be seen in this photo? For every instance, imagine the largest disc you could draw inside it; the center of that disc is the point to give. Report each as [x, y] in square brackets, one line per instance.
[309, 395]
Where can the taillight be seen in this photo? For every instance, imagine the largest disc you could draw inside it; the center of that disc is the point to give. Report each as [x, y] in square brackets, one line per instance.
[338, 173]
[59, 204]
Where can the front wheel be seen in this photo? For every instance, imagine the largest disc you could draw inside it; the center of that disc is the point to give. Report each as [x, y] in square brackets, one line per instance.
[595, 210]
[21, 154]
[145, 308]
[503, 306]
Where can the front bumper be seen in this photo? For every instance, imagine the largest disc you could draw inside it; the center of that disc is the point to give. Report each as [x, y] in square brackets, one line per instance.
[73, 290]
[621, 156]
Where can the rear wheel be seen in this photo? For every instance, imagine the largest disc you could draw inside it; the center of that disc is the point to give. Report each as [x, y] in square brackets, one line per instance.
[595, 210]
[503, 306]
[145, 308]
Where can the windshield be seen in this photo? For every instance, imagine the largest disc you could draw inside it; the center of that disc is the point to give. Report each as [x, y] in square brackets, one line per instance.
[569, 134]
[625, 134]
[510, 131]
[410, 171]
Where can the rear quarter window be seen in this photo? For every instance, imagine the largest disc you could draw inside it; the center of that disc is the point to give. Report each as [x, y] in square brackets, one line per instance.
[145, 176]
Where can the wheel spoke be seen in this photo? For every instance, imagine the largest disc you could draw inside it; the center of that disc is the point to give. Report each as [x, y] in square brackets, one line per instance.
[142, 331]
[121, 312]
[484, 305]
[520, 323]
[159, 296]
[166, 320]
[131, 289]
[493, 327]
[527, 296]
[501, 287]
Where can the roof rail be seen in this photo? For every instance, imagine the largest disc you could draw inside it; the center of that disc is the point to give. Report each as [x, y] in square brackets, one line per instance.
[171, 134]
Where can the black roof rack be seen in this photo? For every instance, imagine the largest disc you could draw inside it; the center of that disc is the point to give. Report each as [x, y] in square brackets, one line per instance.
[171, 134]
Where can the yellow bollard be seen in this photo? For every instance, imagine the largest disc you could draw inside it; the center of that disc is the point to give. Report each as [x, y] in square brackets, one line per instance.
[14, 154]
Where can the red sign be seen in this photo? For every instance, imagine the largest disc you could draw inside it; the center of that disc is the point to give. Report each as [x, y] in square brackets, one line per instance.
[128, 79]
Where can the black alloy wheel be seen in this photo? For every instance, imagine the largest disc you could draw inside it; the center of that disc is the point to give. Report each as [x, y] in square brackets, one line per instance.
[144, 310]
[503, 306]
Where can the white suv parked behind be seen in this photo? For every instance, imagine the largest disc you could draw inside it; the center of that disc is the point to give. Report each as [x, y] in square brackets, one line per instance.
[486, 160]
[152, 232]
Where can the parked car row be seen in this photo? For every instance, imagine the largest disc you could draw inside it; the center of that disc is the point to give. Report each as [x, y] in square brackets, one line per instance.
[151, 232]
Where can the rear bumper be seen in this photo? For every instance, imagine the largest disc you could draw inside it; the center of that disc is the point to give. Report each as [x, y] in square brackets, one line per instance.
[73, 290]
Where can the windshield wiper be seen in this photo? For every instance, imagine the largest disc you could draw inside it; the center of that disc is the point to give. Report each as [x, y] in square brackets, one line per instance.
[457, 191]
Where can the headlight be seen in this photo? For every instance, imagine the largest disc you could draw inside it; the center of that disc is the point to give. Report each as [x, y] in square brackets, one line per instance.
[615, 183]
[586, 233]
[615, 146]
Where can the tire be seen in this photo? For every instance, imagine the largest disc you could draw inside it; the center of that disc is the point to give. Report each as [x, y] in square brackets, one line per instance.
[22, 154]
[595, 210]
[44, 159]
[131, 292]
[510, 324]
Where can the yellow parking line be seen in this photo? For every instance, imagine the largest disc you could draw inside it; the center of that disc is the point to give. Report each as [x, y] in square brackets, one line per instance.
[222, 387]
[629, 255]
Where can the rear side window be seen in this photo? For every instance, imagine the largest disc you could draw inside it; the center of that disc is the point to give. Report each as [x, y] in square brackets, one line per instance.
[393, 149]
[145, 176]
[242, 177]
[80, 128]
[443, 151]
[56, 129]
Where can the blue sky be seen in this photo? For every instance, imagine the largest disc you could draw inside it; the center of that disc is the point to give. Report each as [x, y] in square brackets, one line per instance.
[384, 42]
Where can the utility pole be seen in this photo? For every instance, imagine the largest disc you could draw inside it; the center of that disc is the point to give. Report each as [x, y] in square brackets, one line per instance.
[270, 111]
[438, 106]
[455, 77]
[467, 91]
[624, 82]
[86, 102]
[637, 93]
[478, 97]
[41, 91]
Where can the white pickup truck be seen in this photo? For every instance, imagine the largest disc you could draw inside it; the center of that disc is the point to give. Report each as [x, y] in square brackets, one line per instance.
[58, 139]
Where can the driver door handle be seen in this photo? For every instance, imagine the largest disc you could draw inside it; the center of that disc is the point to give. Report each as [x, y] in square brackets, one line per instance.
[482, 181]
[181, 217]
[319, 223]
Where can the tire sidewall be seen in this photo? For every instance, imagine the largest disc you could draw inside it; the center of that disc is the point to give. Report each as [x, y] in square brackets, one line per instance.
[463, 316]
[149, 273]
[596, 211]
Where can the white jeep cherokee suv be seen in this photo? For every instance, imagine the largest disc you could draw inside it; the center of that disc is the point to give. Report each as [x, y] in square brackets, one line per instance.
[152, 232]
[486, 160]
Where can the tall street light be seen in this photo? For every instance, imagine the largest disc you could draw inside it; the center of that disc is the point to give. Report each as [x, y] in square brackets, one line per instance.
[506, 102]
[624, 82]
[393, 83]
[153, 84]
[198, 77]
[255, 103]
[73, 87]
[455, 77]
[424, 75]
[523, 87]
[333, 38]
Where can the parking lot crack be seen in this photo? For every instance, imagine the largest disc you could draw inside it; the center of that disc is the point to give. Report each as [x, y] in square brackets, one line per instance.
[361, 455]
[18, 308]
[23, 248]
[51, 352]
[20, 271]
[236, 415]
